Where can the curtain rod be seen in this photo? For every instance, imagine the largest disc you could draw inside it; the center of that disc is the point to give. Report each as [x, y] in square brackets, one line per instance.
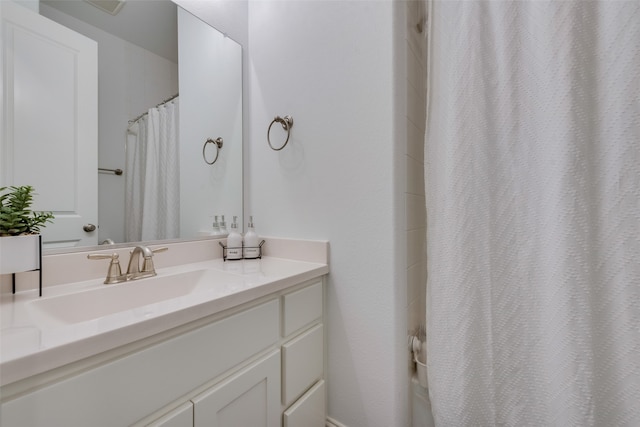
[157, 105]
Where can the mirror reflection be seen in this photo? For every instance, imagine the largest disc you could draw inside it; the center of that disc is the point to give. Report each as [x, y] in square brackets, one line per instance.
[167, 83]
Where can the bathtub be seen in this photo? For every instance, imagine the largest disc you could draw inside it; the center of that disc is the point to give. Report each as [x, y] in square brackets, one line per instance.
[420, 405]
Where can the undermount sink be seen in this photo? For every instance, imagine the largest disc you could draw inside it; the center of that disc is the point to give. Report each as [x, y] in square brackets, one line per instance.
[96, 303]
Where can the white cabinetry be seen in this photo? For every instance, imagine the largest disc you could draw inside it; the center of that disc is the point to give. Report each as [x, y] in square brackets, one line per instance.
[302, 363]
[182, 416]
[309, 410]
[130, 387]
[260, 364]
[303, 391]
[248, 398]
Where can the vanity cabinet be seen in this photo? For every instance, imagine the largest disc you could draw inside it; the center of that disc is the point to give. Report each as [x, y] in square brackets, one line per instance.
[248, 398]
[179, 417]
[309, 410]
[259, 364]
[303, 366]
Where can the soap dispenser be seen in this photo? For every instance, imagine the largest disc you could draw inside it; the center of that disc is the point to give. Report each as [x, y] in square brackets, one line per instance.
[251, 245]
[216, 227]
[234, 242]
[223, 227]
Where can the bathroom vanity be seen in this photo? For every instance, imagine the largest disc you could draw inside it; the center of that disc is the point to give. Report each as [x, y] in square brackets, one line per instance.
[240, 344]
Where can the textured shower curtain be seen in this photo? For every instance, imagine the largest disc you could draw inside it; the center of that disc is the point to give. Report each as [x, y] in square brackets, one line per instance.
[532, 168]
[152, 193]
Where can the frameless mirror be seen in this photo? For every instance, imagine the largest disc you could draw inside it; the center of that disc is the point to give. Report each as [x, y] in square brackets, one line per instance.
[149, 52]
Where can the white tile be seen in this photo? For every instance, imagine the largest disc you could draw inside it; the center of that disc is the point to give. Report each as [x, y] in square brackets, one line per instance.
[415, 176]
[416, 212]
[416, 107]
[417, 280]
[415, 142]
[414, 316]
[415, 72]
[416, 246]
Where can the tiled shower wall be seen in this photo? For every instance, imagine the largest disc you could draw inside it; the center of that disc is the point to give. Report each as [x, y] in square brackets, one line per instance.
[415, 192]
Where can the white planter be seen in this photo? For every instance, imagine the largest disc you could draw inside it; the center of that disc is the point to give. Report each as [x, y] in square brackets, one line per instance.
[19, 253]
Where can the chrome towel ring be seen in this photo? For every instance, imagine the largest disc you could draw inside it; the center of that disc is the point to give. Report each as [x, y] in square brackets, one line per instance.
[218, 143]
[287, 124]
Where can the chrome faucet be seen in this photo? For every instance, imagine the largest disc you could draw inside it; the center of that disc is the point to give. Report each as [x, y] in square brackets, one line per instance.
[134, 271]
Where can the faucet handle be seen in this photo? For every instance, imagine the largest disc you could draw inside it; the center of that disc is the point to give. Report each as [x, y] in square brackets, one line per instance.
[114, 273]
[147, 262]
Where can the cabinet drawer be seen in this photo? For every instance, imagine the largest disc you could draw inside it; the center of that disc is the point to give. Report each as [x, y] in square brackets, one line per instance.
[302, 363]
[301, 307]
[309, 410]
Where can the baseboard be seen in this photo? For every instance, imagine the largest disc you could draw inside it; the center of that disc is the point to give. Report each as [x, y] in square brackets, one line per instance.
[333, 423]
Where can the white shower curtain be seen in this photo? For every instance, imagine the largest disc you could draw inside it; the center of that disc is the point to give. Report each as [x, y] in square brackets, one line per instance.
[532, 170]
[152, 201]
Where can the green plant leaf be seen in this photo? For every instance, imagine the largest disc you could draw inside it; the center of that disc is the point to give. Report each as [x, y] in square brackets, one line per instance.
[16, 217]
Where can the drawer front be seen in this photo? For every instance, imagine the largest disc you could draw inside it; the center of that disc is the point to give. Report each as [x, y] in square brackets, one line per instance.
[152, 378]
[309, 410]
[302, 363]
[301, 307]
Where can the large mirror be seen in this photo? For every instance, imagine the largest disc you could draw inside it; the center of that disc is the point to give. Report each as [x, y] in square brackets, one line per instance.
[149, 52]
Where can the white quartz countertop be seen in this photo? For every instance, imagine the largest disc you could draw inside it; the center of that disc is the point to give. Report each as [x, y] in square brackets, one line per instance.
[33, 341]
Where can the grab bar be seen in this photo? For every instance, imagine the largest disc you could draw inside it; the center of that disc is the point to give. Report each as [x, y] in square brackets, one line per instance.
[113, 171]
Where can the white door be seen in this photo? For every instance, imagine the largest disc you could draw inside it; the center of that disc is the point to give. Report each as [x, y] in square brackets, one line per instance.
[50, 121]
[249, 398]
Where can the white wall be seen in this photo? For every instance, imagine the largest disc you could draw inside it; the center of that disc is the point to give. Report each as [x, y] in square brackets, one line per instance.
[332, 66]
[130, 80]
[227, 16]
[210, 107]
[231, 18]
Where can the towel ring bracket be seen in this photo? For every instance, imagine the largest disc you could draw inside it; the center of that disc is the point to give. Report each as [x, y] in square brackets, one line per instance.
[287, 124]
[218, 142]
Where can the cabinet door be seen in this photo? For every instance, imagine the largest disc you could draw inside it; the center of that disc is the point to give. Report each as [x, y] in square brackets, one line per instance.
[179, 417]
[248, 398]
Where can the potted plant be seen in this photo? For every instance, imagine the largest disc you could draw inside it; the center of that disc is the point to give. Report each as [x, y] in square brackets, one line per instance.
[19, 230]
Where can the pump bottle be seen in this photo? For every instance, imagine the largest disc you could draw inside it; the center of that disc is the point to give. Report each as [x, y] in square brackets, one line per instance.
[216, 227]
[234, 242]
[251, 249]
[223, 227]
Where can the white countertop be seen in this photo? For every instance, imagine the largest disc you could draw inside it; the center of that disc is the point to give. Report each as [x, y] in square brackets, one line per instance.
[32, 342]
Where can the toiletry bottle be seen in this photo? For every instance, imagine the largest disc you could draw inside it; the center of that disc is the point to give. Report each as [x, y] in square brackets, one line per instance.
[251, 249]
[234, 242]
[223, 227]
[216, 227]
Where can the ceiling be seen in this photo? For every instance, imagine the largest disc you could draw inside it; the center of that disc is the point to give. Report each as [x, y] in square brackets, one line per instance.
[151, 24]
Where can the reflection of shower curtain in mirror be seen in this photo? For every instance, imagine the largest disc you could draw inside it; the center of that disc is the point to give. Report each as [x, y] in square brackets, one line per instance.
[152, 197]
